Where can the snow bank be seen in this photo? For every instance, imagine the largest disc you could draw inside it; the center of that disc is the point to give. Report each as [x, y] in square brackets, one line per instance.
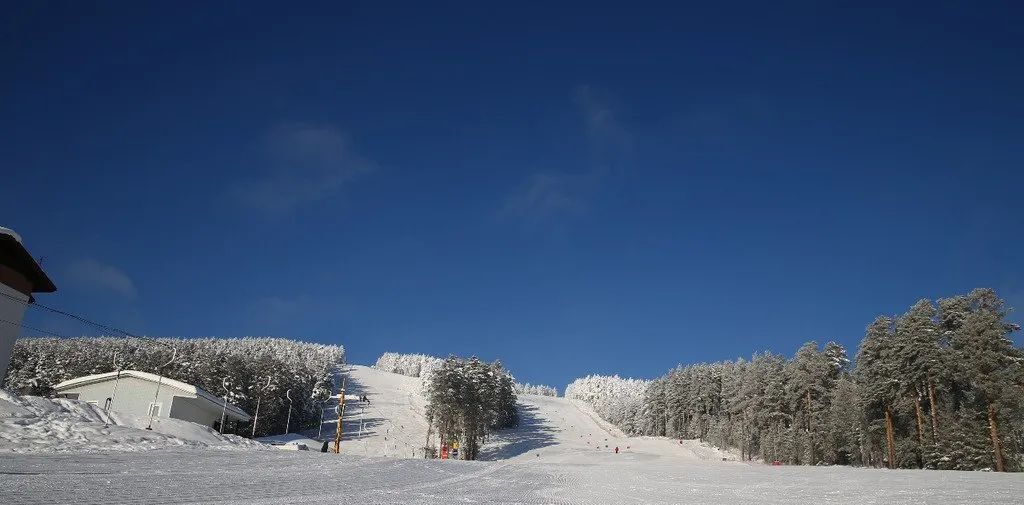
[35, 424]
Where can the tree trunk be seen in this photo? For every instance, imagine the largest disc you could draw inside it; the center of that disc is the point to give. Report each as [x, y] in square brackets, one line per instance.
[920, 430]
[993, 429]
[935, 410]
[810, 436]
[889, 437]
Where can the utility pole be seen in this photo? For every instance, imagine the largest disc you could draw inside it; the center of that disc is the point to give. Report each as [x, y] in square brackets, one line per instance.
[341, 414]
[113, 394]
[288, 423]
[320, 427]
[159, 380]
[362, 410]
[224, 410]
[258, 400]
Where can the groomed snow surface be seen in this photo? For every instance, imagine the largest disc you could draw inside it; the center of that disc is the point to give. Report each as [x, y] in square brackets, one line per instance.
[557, 455]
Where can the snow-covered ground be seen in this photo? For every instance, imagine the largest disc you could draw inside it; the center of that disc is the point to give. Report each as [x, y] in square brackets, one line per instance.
[278, 477]
[557, 455]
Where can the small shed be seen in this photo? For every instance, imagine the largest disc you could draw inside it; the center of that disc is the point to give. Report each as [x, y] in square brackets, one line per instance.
[134, 394]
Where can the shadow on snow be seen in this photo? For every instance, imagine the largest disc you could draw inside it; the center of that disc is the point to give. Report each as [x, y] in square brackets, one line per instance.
[532, 433]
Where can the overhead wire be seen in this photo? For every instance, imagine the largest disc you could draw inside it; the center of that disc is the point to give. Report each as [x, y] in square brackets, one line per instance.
[81, 319]
[32, 328]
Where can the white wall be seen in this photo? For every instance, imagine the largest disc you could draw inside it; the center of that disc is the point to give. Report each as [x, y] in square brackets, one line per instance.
[133, 395]
[13, 311]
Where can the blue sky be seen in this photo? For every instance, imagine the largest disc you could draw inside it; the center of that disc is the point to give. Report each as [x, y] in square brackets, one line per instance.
[571, 188]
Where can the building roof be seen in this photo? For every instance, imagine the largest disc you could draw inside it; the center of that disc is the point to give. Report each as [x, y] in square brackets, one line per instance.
[197, 392]
[14, 255]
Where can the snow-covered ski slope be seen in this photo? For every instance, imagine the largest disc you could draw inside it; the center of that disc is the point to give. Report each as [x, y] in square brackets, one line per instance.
[393, 423]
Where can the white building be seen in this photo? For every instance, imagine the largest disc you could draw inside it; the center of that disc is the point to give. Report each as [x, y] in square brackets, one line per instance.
[134, 392]
[20, 276]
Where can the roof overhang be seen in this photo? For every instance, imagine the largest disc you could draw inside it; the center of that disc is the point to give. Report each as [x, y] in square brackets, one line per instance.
[19, 269]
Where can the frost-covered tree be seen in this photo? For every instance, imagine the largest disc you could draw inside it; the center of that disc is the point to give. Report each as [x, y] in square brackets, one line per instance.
[535, 389]
[467, 399]
[612, 397]
[412, 365]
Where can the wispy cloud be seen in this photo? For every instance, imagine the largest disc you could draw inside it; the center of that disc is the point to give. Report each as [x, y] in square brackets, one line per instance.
[95, 275]
[548, 194]
[605, 132]
[310, 163]
[277, 309]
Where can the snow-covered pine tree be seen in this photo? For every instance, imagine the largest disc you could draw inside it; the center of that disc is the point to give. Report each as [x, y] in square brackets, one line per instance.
[922, 360]
[878, 376]
[987, 359]
[467, 399]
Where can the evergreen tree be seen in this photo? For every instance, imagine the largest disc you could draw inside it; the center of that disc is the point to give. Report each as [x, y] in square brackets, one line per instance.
[467, 399]
[990, 363]
[878, 376]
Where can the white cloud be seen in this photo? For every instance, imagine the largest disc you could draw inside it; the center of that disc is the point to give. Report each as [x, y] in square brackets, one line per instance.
[560, 193]
[93, 274]
[604, 130]
[546, 194]
[311, 163]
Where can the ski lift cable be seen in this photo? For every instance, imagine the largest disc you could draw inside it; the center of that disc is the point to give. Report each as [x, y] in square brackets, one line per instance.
[81, 319]
[32, 328]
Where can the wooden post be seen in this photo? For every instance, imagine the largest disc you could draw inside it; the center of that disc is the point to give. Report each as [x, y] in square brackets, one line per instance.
[341, 415]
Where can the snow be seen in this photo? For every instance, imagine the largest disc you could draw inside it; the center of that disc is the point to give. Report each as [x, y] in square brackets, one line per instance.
[34, 424]
[284, 477]
[8, 231]
[556, 455]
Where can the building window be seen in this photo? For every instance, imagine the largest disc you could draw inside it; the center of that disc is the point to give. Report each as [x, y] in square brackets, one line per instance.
[154, 409]
[69, 396]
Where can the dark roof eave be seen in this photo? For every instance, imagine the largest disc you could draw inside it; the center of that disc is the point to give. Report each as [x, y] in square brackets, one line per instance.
[25, 264]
